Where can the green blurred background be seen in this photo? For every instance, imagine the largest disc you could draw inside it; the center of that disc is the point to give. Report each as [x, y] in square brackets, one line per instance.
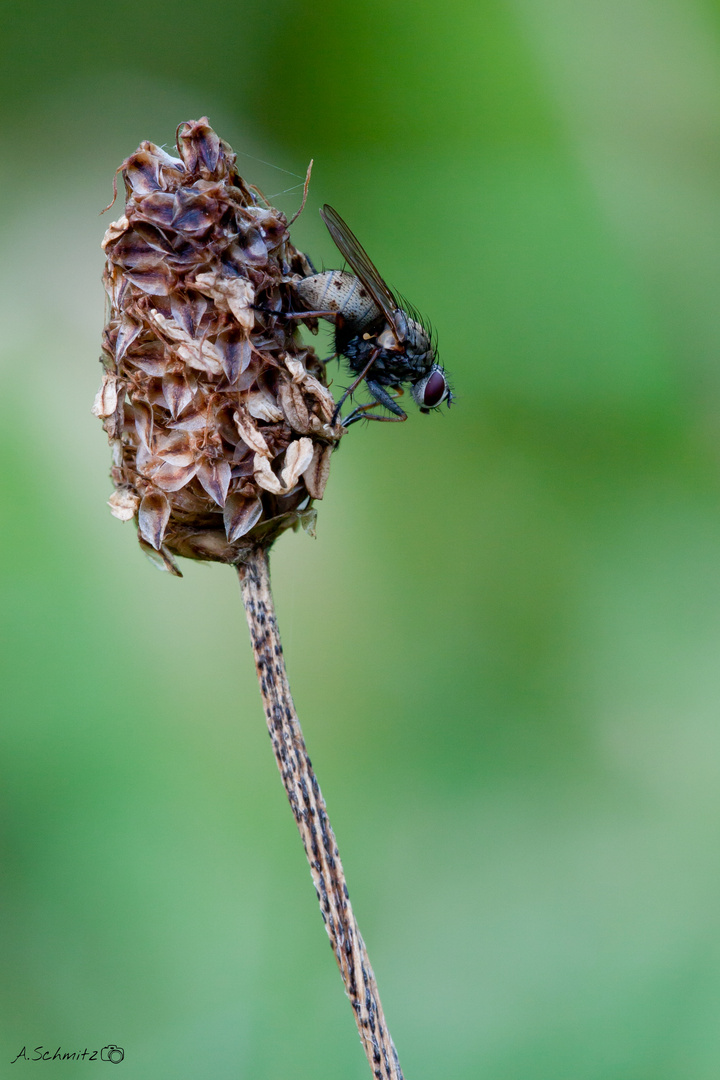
[504, 642]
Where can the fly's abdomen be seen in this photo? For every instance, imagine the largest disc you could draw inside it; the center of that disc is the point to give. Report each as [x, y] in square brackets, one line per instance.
[338, 291]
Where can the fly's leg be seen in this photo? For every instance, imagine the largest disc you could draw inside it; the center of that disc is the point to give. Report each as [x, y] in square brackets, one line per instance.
[382, 397]
[363, 413]
[354, 385]
[331, 316]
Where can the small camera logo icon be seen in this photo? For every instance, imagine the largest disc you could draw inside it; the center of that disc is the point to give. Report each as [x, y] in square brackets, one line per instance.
[113, 1053]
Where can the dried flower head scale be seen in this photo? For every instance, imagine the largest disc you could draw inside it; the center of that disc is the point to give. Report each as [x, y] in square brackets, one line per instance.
[218, 416]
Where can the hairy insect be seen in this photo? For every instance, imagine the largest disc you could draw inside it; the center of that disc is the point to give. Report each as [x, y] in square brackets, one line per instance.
[383, 344]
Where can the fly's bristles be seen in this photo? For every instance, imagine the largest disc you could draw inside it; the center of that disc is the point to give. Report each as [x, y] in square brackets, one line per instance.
[218, 416]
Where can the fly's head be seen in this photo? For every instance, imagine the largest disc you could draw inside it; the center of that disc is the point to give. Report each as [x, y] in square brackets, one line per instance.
[430, 391]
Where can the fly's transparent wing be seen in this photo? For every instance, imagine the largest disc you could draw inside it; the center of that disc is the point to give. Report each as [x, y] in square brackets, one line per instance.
[358, 258]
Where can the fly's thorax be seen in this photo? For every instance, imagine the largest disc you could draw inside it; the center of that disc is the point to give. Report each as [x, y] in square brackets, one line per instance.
[336, 290]
[417, 344]
[395, 361]
[409, 338]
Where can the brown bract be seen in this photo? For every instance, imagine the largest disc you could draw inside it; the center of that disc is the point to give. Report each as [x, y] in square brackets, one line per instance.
[218, 416]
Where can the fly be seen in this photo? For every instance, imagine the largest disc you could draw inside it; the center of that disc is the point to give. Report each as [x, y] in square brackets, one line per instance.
[383, 344]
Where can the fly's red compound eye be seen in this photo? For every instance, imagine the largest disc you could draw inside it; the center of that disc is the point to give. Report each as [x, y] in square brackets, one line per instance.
[435, 390]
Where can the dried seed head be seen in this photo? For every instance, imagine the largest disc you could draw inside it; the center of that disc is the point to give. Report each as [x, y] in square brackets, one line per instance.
[218, 416]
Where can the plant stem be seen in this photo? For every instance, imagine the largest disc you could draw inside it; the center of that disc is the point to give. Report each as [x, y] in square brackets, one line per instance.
[308, 806]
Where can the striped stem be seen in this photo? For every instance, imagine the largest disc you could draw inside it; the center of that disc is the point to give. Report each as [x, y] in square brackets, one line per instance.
[308, 806]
